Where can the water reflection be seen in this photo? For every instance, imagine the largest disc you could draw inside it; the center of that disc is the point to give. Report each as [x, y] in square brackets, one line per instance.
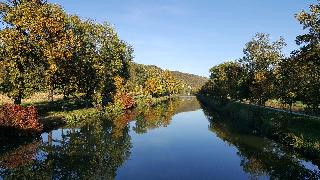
[98, 149]
[260, 157]
[87, 152]
[95, 150]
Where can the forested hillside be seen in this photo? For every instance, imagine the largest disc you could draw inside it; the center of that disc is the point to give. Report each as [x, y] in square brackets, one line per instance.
[190, 82]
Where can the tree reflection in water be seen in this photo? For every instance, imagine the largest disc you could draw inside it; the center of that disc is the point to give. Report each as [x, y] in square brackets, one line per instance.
[89, 151]
[260, 157]
[95, 150]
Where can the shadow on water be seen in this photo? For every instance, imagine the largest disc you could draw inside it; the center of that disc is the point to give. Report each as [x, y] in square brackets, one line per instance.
[95, 150]
[99, 148]
[260, 156]
[80, 153]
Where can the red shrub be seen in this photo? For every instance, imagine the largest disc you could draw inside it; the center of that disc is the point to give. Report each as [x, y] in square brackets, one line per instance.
[124, 100]
[128, 101]
[15, 116]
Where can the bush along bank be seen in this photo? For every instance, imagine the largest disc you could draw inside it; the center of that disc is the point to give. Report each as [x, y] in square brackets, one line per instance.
[18, 124]
[298, 133]
[20, 118]
[110, 112]
[18, 121]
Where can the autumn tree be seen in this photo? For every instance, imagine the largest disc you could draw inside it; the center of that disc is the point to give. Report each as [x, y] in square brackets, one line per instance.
[21, 65]
[161, 83]
[78, 75]
[261, 58]
[37, 33]
[154, 86]
[43, 47]
[173, 86]
[287, 82]
[307, 57]
[114, 56]
[226, 80]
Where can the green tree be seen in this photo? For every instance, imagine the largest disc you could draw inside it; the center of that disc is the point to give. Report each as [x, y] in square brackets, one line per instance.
[21, 65]
[307, 57]
[44, 39]
[287, 84]
[114, 57]
[261, 58]
[226, 80]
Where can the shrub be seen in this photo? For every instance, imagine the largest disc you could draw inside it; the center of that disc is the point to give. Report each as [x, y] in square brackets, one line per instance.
[124, 100]
[20, 118]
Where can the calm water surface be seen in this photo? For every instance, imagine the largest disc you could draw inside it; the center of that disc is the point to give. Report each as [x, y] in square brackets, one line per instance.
[177, 140]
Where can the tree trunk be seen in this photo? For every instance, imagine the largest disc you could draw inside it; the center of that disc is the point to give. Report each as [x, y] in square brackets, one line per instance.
[290, 106]
[65, 94]
[50, 95]
[17, 100]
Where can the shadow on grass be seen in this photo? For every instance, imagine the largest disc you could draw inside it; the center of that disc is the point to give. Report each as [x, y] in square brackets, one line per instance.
[47, 111]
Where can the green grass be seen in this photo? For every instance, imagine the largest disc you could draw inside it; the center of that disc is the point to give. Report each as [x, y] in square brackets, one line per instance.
[57, 113]
[76, 111]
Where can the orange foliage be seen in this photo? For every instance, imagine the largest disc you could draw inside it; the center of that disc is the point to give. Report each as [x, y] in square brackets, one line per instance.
[15, 116]
[124, 100]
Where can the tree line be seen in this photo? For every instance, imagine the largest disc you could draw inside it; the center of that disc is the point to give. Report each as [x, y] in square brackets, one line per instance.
[265, 73]
[151, 80]
[42, 48]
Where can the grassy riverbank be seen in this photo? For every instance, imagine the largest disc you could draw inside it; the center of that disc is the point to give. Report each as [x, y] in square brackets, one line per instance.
[70, 112]
[298, 132]
[76, 112]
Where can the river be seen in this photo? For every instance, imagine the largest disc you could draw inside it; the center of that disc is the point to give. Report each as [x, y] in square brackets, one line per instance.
[175, 140]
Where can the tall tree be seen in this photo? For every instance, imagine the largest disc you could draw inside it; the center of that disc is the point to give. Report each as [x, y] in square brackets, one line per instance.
[307, 58]
[21, 65]
[287, 82]
[114, 57]
[227, 78]
[261, 59]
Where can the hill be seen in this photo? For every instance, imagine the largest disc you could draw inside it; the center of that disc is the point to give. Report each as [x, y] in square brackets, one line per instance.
[191, 82]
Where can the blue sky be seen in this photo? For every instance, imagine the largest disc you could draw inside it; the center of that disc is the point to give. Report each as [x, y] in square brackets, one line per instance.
[193, 35]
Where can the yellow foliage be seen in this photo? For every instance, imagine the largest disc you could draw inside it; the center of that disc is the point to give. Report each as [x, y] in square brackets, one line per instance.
[260, 77]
